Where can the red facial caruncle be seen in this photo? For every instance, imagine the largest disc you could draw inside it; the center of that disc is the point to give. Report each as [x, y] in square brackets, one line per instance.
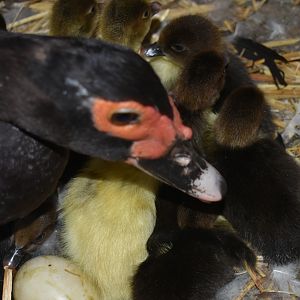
[152, 133]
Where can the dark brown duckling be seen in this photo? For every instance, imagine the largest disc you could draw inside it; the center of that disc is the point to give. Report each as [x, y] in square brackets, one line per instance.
[127, 22]
[189, 264]
[263, 198]
[75, 18]
[193, 61]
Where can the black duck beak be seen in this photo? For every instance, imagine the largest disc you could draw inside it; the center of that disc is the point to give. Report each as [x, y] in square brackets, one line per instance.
[187, 171]
[153, 50]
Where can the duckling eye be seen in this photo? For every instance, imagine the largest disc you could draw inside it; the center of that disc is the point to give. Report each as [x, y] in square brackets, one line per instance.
[178, 48]
[146, 14]
[125, 117]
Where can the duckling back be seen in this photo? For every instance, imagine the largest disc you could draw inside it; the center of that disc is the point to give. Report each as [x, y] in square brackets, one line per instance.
[109, 214]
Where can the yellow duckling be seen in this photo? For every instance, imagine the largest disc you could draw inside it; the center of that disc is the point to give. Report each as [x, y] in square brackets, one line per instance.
[109, 214]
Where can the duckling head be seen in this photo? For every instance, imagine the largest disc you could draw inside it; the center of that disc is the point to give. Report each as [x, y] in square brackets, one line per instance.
[74, 18]
[178, 42]
[127, 22]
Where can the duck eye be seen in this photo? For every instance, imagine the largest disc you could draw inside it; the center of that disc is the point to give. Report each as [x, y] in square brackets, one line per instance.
[178, 48]
[146, 14]
[125, 117]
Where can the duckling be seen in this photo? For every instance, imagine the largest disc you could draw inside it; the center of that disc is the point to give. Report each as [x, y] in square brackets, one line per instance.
[197, 59]
[75, 18]
[189, 264]
[263, 198]
[2, 23]
[178, 42]
[108, 215]
[114, 108]
[127, 22]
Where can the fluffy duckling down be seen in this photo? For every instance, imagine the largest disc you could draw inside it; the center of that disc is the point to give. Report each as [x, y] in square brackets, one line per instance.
[108, 215]
[75, 18]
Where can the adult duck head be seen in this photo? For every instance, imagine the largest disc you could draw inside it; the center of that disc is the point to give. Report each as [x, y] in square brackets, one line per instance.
[103, 101]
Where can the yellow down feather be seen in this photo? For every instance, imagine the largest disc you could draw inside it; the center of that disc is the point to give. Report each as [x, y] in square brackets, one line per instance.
[109, 214]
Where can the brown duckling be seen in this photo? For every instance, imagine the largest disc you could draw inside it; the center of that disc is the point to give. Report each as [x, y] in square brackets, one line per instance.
[193, 61]
[263, 198]
[127, 22]
[75, 18]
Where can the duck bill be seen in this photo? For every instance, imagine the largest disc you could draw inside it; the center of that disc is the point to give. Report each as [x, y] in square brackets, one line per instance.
[153, 50]
[187, 171]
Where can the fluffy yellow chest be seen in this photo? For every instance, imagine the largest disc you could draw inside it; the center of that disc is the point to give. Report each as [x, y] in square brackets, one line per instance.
[167, 71]
[109, 214]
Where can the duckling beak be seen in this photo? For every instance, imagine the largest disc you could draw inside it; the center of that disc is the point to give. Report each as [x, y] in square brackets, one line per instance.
[153, 50]
[185, 170]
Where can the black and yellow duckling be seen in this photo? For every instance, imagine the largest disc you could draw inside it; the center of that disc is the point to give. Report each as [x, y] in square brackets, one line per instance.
[74, 99]
[263, 198]
[170, 53]
[189, 264]
[127, 22]
[191, 57]
[108, 215]
[2, 23]
[75, 18]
